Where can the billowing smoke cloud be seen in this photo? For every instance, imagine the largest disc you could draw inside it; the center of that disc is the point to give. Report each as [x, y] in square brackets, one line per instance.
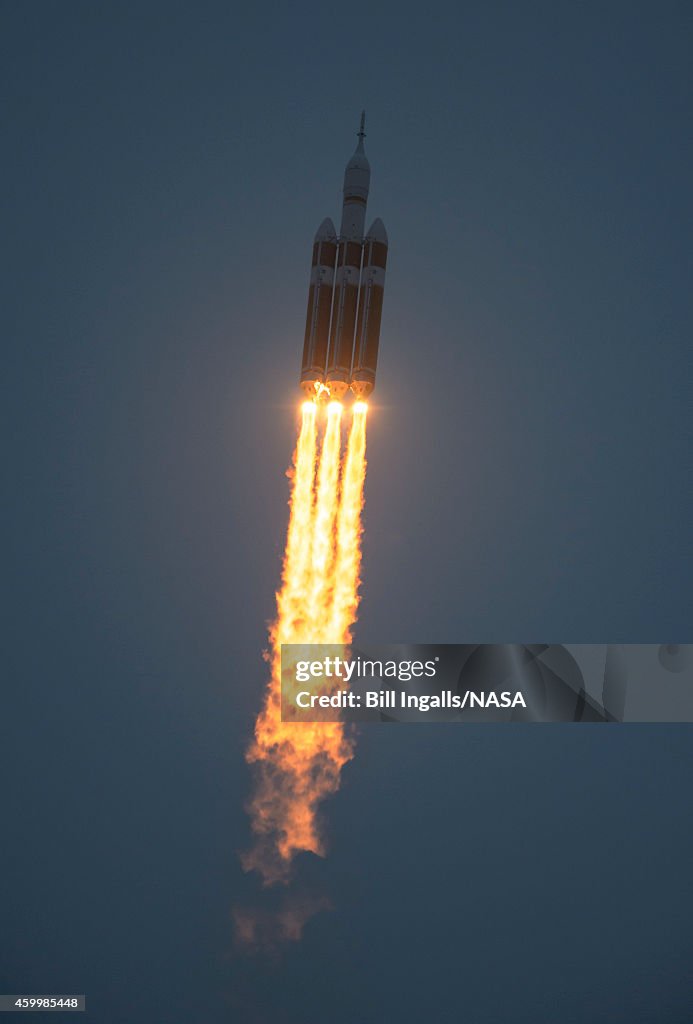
[267, 931]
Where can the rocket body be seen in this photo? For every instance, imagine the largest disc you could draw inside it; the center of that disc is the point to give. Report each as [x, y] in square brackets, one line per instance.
[345, 297]
[370, 310]
[320, 295]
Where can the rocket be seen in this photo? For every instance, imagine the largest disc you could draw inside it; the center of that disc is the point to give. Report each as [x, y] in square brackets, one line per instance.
[345, 298]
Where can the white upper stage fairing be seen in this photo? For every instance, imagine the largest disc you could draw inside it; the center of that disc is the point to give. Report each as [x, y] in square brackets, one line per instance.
[357, 178]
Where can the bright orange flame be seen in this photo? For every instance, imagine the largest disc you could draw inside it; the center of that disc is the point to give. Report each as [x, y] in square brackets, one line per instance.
[326, 506]
[345, 598]
[299, 764]
[296, 572]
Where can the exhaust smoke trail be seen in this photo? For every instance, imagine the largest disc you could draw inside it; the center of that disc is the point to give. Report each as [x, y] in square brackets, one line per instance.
[296, 570]
[298, 765]
[345, 598]
[326, 508]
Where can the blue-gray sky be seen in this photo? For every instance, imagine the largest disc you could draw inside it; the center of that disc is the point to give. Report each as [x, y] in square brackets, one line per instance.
[164, 168]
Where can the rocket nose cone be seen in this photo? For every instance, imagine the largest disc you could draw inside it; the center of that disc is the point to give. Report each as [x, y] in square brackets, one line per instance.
[377, 231]
[326, 232]
[359, 161]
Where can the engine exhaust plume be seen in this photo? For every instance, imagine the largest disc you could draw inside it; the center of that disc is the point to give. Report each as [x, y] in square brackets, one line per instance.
[298, 765]
[345, 598]
[323, 547]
